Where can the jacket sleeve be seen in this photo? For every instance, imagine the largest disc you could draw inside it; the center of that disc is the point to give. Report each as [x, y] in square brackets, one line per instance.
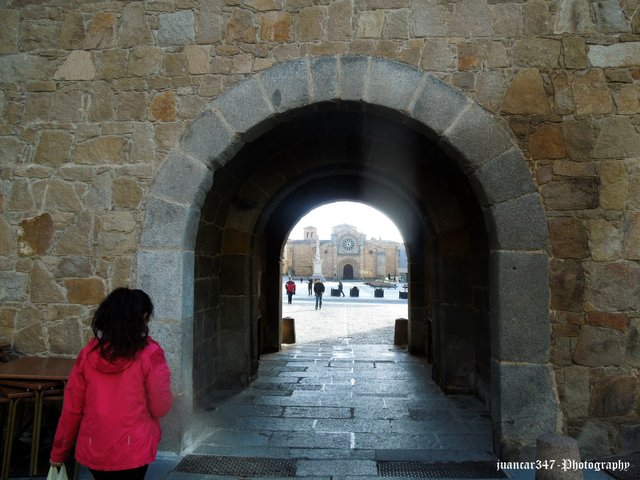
[72, 412]
[158, 384]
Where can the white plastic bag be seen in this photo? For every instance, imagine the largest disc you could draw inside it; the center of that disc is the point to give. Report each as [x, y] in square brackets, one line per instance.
[57, 474]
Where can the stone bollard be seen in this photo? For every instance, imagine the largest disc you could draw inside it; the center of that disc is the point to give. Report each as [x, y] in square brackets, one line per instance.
[288, 330]
[401, 332]
[555, 451]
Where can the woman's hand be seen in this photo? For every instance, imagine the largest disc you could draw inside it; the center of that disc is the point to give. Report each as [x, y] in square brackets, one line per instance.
[56, 464]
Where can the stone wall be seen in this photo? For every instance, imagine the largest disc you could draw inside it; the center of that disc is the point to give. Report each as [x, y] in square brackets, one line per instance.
[94, 95]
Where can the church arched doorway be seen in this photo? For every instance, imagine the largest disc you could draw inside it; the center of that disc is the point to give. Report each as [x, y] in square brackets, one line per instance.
[347, 272]
[322, 129]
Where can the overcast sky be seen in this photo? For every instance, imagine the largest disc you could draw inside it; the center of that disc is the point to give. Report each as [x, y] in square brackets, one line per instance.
[367, 220]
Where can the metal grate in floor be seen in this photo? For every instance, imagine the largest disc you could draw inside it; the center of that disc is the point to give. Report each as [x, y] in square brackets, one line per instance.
[440, 469]
[237, 466]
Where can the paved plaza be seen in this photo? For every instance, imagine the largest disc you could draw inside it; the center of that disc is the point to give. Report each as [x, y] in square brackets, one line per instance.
[363, 320]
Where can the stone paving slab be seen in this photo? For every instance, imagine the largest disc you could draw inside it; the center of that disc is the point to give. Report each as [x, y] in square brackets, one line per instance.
[355, 425]
[313, 439]
[316, 412]
[250, 410]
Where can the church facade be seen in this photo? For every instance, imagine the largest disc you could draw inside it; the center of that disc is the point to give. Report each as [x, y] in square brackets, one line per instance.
[347, 255]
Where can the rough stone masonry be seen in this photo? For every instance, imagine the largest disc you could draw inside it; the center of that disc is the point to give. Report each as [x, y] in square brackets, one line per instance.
[95, 94]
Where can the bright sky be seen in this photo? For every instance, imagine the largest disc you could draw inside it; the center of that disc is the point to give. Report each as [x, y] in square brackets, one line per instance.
[366, 219]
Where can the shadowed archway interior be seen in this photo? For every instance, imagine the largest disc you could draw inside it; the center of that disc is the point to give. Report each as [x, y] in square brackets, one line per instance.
[325, 153]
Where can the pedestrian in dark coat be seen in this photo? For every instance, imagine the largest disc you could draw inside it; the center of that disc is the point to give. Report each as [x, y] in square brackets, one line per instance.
[318, 289]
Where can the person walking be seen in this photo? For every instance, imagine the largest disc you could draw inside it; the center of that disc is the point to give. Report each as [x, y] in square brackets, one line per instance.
[340, 288]
[310, 285]
[318, 289]
[119, 387]
[290, 287]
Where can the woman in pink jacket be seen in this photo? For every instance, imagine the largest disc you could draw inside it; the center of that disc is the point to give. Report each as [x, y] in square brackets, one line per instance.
[118, 389]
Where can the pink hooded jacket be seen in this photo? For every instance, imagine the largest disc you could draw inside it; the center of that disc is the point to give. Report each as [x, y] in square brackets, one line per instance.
[112, 409]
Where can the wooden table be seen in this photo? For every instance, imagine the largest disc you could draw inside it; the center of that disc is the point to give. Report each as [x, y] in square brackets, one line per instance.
[39, 375]
[37, 368]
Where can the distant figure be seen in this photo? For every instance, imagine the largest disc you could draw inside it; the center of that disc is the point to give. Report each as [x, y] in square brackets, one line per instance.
[290, 286]
[318, 288]
[310, 286]
[340, 288]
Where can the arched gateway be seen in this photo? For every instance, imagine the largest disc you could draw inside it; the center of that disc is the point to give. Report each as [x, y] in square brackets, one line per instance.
[347, 272]
[314, 130]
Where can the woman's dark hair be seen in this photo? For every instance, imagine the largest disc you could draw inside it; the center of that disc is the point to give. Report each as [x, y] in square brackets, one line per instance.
[120, 323]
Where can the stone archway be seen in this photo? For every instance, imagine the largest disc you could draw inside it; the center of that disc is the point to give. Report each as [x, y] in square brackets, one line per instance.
[523, 399]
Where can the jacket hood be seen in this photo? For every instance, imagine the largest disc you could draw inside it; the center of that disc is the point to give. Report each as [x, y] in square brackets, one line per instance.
[102, 364]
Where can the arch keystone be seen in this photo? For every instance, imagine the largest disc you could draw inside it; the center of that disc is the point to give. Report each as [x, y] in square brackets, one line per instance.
[403, 80]
[352, 76]
[324, 78]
